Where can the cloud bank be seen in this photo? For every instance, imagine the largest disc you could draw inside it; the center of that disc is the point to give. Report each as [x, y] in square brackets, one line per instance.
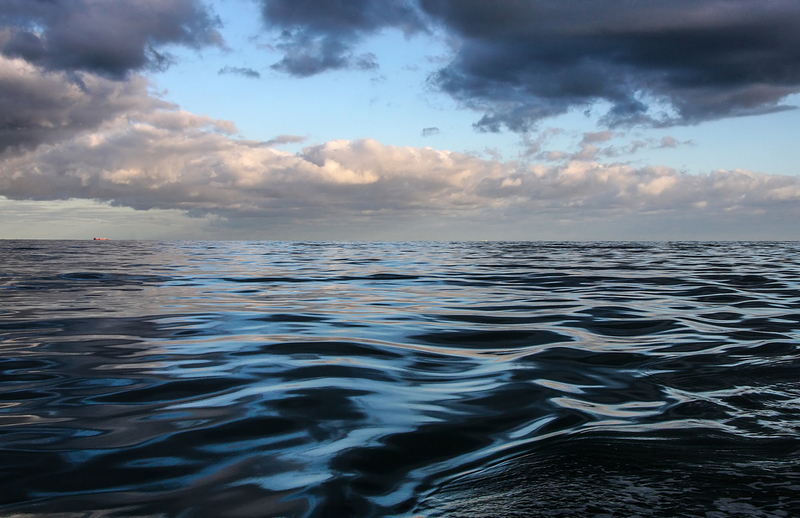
[135, 150]
[652, 63]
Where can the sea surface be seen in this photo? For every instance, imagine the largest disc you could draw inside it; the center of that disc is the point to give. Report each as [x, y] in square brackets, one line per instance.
[413, 379]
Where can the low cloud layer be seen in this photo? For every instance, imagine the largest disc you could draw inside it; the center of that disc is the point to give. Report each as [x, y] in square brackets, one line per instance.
[143, 153]
[653, 63]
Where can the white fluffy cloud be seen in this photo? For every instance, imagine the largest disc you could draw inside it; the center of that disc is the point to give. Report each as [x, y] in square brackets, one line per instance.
[174, 159]
[112, 141]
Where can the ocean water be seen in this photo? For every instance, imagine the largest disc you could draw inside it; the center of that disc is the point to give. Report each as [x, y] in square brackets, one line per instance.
[287, 379]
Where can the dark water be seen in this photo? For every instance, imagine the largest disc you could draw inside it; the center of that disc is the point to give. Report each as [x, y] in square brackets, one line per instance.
[399, 379]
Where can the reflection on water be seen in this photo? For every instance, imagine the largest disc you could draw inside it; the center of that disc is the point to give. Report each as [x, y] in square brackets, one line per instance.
[399, 379]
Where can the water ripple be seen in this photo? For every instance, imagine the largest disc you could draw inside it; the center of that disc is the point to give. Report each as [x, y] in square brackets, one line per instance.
[399, 379]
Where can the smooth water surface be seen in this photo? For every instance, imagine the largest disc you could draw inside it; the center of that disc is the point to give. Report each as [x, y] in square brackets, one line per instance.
[282, 379]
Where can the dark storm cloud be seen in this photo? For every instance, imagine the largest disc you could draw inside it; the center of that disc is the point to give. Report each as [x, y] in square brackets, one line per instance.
[67, 66]
[318, 35]
[241, 71]
[657, 63]
[106, 37]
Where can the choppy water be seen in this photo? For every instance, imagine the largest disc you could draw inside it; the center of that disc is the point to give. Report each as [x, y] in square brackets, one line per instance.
[399, 379]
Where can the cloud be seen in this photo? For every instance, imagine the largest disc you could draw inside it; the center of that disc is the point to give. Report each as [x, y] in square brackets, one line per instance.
[241, 71]
[107, 38]
[319, 35]
[653, 63]
[285, 139]
[586, 185]
[668, 142]
[656, 63]
[591, 146]
[367, 61]
[189, 166]
[533, 147]
[155, 156]
[37, 106]
[429, 132]
[597, 136]
[494, 153]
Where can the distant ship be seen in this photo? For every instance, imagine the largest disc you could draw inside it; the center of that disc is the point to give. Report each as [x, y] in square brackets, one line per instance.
[100, 239]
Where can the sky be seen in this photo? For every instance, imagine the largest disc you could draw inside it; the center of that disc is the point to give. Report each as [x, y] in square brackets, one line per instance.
[400, 119]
